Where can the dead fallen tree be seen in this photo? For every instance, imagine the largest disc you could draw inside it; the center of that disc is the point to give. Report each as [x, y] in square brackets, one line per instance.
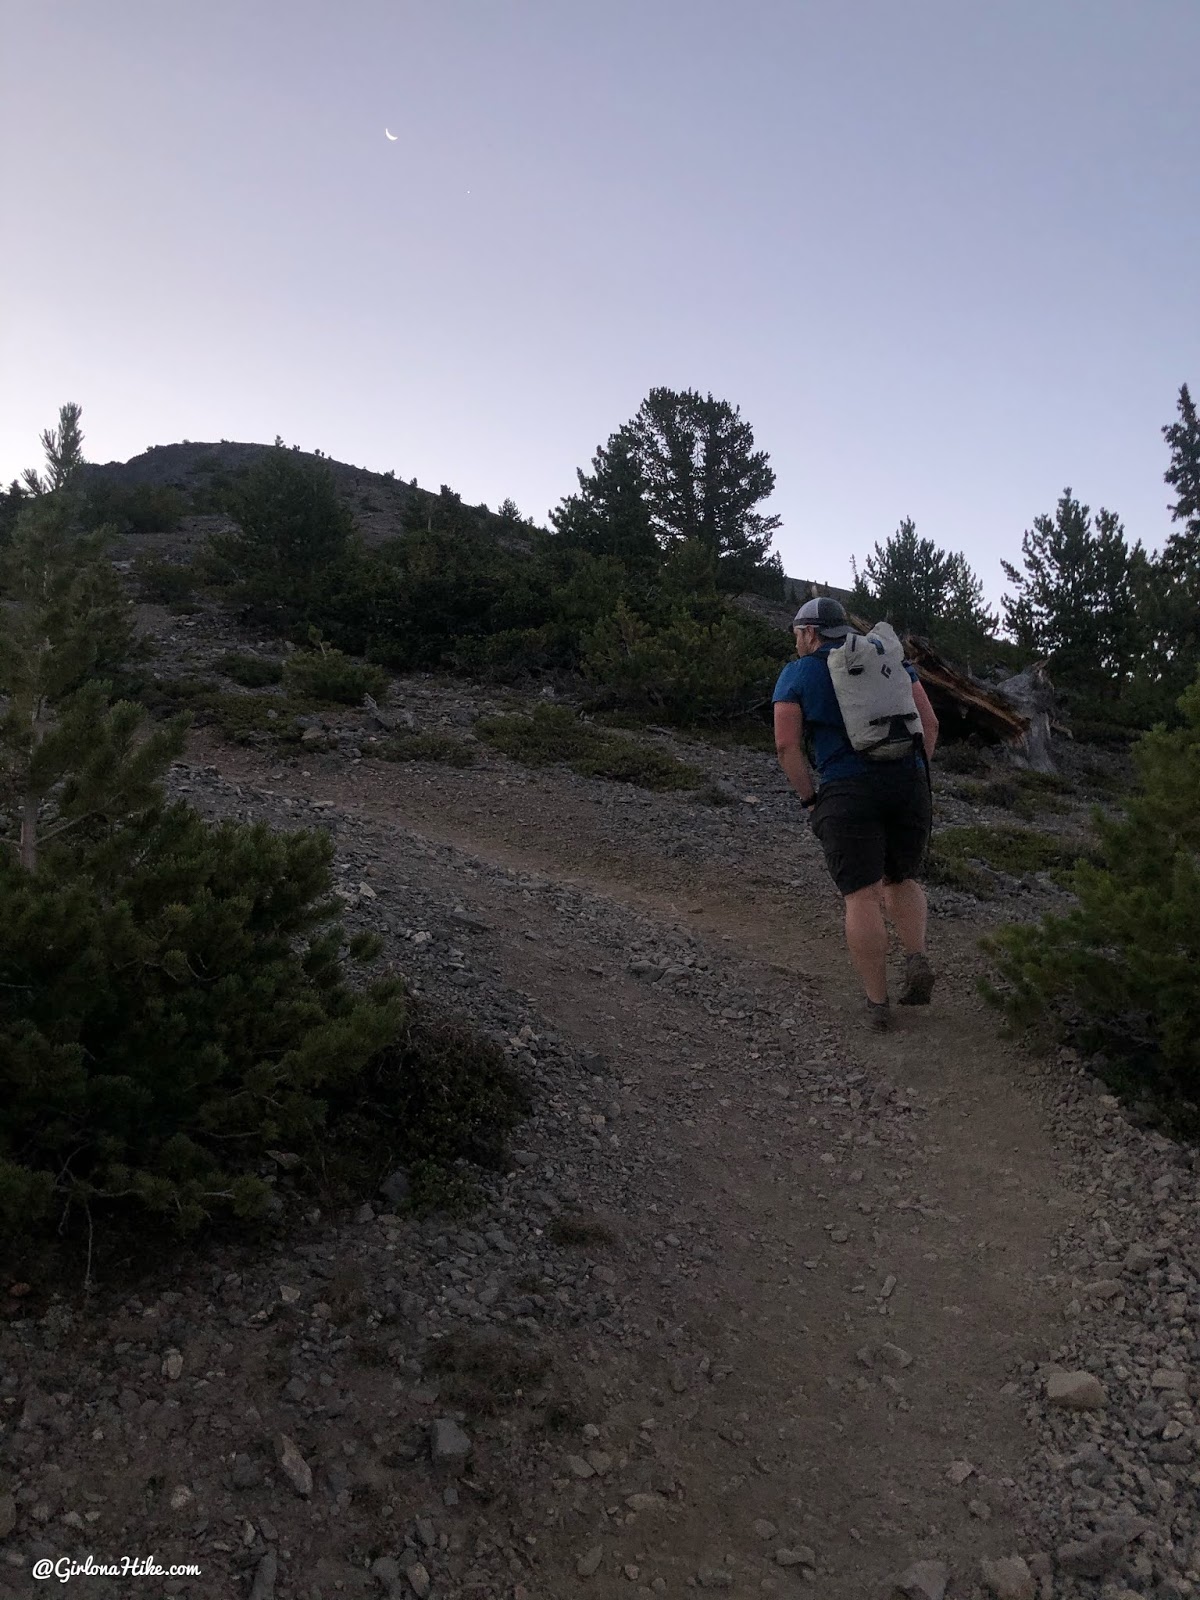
[1017, 714]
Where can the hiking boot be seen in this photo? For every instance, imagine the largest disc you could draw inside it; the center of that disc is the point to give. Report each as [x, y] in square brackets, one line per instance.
[879, 1015]
[918, 980]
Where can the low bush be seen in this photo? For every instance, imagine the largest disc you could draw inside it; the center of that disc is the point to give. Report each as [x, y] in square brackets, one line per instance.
[252, 672]
[555, 734]
[484, 1371]
[443, 1095]
[327, 675]
[1026, 794]
[132, 508]
[166, 583]
[172, 1005]
[438, 747]
[949, 871]
[1117, 974]
[1017, 851]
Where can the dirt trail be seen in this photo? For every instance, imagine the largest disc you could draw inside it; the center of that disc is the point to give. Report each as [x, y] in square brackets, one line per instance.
[870, 1268]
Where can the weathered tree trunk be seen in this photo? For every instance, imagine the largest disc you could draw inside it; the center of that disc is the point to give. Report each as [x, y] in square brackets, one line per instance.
[1032, 694]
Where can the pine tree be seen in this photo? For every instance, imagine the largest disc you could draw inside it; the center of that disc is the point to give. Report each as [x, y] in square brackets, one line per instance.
[67, 757]
[704, 479]
[1178, 599]
[1118, 972]
[12, 501]
[292, 529]
[922, 589]
[1181, 554]
[610, 516]
[64, 453]
[1079, 600]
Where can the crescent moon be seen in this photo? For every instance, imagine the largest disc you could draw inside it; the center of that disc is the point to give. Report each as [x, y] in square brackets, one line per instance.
[392, 136]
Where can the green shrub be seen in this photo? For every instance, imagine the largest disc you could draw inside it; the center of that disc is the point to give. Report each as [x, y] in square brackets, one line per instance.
[250, 718]
[555, 734]
[164, 697]
[686, 670]
[252, 672]
[172, 1005]
[1026, 794]
[132, 508]
[1117, 975]
[427, 747]
[165, 582]
[329, 676]
[1016, 851]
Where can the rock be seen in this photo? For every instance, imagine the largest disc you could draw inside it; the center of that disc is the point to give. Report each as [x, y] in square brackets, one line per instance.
[245, 1473]
[1104, 1289]
[924, 1580]
[959, 1471]
[1008, 1578]
[765, 1529]
[895, 1357]
[449, 1447]
[265, 1574]
[181, 1496]
[395, 1188]
[589, 1562]
[172, 1365]
[714, 1578]
[1140, 1258]
[1165, 1378]
[645, 1502]
[579, 1468]
[419, 1580]
[800, 1556]
[1075, 1391]
[295, 1469]
[8, 1515]
[1092, 1558]
[385, 1570]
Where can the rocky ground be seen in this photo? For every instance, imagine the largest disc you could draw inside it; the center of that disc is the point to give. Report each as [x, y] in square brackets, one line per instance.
[765, 1304]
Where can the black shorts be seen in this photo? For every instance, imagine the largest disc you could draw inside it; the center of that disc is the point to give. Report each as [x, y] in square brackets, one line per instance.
[875, 826]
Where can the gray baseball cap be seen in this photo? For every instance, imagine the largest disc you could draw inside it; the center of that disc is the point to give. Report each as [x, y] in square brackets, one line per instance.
[826, 615]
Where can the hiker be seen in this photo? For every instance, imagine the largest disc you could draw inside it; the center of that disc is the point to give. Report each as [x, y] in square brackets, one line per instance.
[872, 809]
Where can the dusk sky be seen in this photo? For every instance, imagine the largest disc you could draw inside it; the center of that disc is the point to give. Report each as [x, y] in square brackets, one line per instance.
[944, 255]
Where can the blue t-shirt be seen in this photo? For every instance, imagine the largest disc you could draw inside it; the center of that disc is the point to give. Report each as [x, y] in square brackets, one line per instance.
[807, 681]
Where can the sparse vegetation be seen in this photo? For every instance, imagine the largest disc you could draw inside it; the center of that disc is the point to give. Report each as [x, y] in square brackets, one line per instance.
[579, 1232]
[252, 672]
[485, 1371]
[964, 858]
[556, 734]
[439, 747]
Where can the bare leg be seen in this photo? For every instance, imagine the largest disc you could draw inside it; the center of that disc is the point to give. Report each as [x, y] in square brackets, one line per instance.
[867, 939]
[907, 912]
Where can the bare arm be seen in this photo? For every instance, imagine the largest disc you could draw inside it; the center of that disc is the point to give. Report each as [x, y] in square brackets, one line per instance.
[929, 721]
[789, 747]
